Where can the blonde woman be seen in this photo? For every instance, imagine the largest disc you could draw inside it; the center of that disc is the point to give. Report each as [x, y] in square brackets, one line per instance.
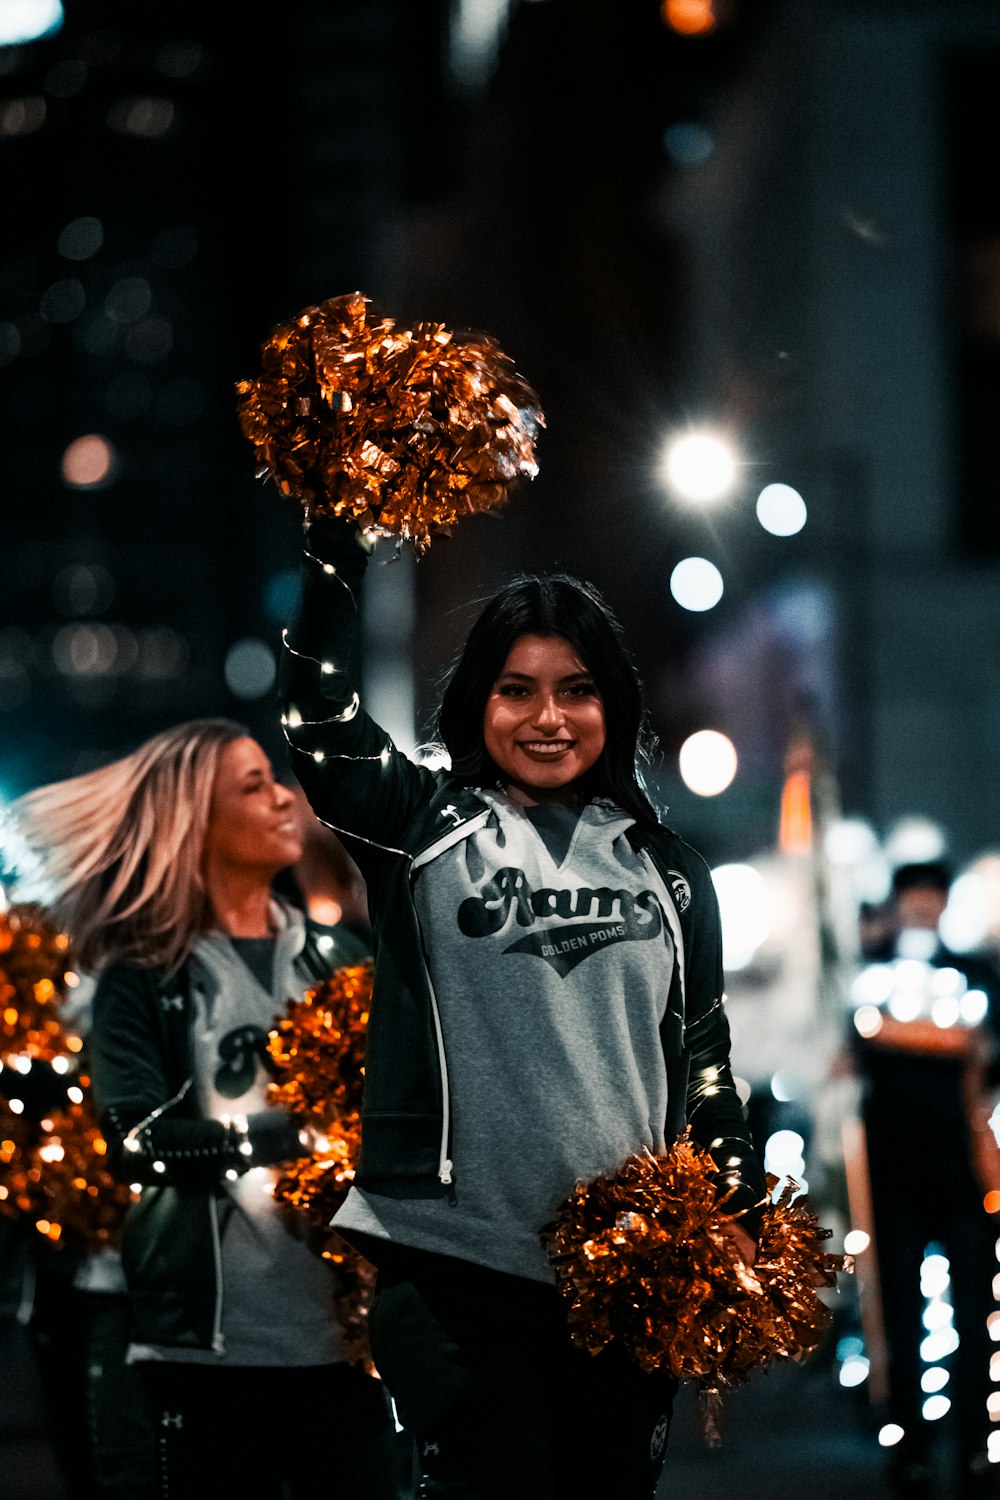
[164, 863]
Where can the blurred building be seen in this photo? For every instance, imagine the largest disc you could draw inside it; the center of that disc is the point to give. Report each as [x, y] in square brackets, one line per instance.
[843, 235]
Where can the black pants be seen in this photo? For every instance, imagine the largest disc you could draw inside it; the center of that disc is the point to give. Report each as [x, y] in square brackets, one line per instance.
[263, 1433]
[95, 1403]
[500, 1403]
[121, 1429]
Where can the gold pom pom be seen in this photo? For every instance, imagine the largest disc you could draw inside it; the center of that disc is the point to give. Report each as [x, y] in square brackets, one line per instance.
[317, 1053]
[75, 1199]
[53, 1169]
[645, 1260]
[400, 430]
[35, 971]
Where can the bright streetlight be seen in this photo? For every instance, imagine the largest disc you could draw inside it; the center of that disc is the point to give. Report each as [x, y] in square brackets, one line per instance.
[700, 466]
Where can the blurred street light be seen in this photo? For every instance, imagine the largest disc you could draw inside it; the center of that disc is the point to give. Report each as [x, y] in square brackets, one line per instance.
[781, 510]
[27, 20]
[707, 762]
[700, 466]
[689, 17]
[696, 584]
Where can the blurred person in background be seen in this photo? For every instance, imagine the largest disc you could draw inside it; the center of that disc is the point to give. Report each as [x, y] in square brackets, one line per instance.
[924, 1076]
[165, 862]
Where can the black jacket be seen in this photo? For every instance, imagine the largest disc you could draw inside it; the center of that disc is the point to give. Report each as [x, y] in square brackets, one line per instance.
[395, 817]
[143, 1068]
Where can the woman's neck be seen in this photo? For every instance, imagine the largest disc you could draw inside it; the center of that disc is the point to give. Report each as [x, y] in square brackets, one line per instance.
[523, 796]
[241, 902]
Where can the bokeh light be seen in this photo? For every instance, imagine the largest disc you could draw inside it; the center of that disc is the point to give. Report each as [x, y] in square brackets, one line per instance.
[81, 238]
[22, 116]
[128, 300]
[696, 584]
[968, 918]
[10, 343]
[62, 301]
[689, 17]
[143, 115]
[708, 762]
[854, 1371]
[781, 510]
[700, 466]
[82, 589]
[785, 1086]
[938, 1345]
[784, 1154]
[935, 1275]
[26, 20]
[88, 463]
[179, 59]
[250, 668]
[688, 143]
[743, 912]
[149, 340]
[913, 839]
[868, 1020]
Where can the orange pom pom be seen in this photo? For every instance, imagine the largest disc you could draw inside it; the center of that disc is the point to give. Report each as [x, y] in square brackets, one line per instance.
[317, 1050]
[645, 1260]
[401, 430]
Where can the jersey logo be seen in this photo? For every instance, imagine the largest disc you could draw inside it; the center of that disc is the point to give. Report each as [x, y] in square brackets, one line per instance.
[239, 1050]
[658, 1441]
[568, 925]
[680, 890]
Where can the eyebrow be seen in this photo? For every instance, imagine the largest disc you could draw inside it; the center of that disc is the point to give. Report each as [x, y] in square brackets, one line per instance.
[527, 677]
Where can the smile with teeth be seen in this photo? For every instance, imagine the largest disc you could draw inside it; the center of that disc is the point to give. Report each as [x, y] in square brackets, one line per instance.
[546, 747]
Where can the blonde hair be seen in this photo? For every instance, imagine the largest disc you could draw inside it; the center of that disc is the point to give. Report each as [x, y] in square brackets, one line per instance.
[121, 847]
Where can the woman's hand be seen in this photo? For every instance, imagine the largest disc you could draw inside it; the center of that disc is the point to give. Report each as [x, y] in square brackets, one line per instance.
[745, 1246]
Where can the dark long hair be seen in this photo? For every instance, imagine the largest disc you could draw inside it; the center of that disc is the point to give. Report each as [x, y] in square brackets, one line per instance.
[553, 604]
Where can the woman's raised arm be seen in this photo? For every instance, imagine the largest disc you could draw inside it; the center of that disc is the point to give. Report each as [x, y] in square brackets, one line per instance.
[356, 779]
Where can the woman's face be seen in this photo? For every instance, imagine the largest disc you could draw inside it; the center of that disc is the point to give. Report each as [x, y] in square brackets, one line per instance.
[544, 719]
[252, 821]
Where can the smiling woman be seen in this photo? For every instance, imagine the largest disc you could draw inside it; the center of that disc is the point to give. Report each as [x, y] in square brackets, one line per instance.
[547, 1003]
[253, 832]
[544, 721]
[164, 862]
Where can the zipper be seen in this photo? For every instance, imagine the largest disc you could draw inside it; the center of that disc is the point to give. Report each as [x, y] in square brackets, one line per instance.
[453, 836]
[218, 1339]
[445, 1163]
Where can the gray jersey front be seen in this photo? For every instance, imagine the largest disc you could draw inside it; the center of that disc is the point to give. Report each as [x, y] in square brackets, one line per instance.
[551, 959]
